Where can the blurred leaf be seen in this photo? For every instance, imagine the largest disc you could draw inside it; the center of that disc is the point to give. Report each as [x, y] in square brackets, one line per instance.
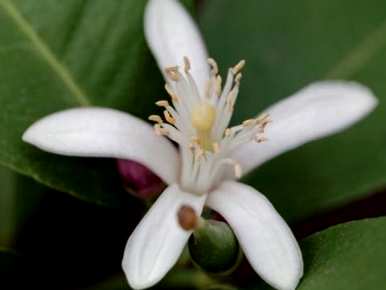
[6, 206]
[288, 45]
[19, 196]
[348, 256]
[59, 54]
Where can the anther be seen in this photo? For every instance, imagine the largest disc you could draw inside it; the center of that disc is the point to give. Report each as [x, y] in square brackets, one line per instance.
[172, 72]
[186, 64]
[169, 118]
[162, 103]
[249, 123]
[218, 85]
[238, 67]
[213, 65]
[238, 78]
[159, 130]
[155, 118]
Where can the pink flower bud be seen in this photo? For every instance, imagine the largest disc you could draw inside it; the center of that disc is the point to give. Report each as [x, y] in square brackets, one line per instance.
[138, 180]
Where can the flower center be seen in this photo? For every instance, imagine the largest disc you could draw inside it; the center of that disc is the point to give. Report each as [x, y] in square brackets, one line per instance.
[203, 117]
[199, 124]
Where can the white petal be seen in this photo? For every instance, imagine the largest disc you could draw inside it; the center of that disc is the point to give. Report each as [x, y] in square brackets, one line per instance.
[264, 236]
[157, 242]
[172, 34]
[101, 132]
[316, 111]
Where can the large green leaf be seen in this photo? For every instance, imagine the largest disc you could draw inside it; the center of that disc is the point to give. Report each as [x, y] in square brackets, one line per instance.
[348, 256]
[58, 54]
[19, 196]
[6, 206]
[288, 44]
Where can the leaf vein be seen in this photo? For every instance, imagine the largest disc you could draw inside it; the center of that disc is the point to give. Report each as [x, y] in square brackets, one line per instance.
[46, 52]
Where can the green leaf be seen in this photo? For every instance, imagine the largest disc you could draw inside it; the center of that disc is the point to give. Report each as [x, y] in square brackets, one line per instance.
[19, 196]
[288, 45]
[348, 256]
[60, 54]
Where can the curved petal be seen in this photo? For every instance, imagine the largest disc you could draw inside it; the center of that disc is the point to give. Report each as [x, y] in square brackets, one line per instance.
[264, 236]
[101, 132]
[316, 111]
[172, 34]
[157, 242]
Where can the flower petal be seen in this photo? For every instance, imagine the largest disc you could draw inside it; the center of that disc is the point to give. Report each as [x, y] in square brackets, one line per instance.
[316, 111]
[264, 236]
[172, 34]
[101, 132]
[157, 242]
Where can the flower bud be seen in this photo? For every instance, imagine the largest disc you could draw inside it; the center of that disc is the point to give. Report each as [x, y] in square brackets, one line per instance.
[138, 180]
[214, 247]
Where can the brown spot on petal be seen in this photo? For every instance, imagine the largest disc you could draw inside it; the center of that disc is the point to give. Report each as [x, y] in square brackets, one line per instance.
[187, 218]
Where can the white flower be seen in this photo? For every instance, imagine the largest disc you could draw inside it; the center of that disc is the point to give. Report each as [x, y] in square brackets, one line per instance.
[198, 172]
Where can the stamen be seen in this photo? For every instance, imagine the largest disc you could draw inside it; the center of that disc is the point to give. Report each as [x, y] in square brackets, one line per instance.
[186, 64]
[249, 123]
[162, 103]
[170, 92]
[218, 85]
[213, 66]
[238, 78]
[156, 118]
[169, 118]
[173, 73]
[238, 67]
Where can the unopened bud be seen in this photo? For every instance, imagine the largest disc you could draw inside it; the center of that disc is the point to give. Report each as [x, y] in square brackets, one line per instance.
[187, 218]
[138, 180]
[214, 247]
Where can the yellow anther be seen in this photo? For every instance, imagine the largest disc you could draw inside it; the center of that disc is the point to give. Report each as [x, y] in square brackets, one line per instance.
[186, 64]
[173, 73]
[162, 103]
[218, 85]
[159, 130]
[249, 122]
[213, 65]
[238, 78]
[155, 118]
[169, 117]
[238, 67]
[203, 117]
